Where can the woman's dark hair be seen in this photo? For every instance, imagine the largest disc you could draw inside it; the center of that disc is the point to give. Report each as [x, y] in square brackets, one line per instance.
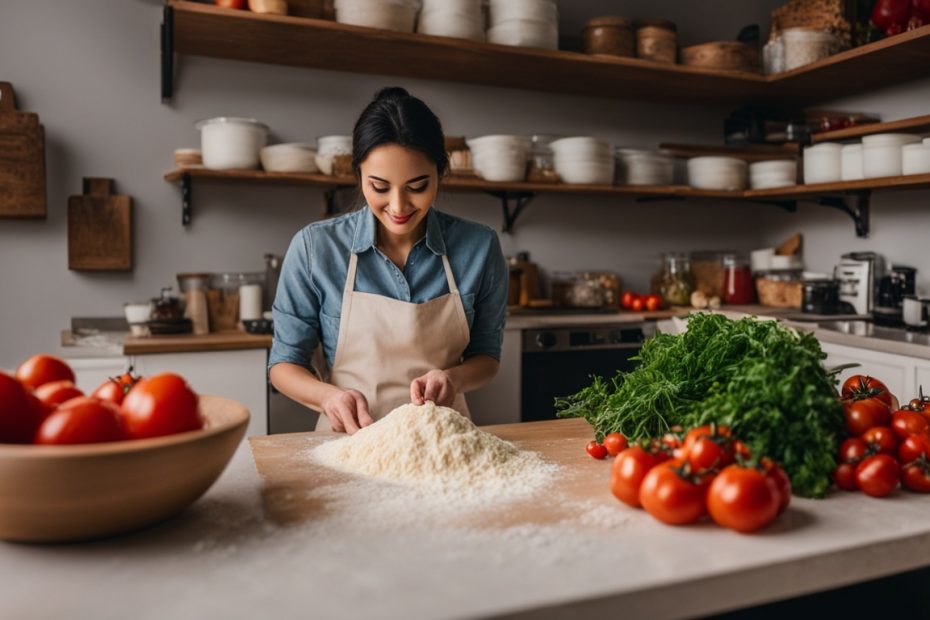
[395, 117]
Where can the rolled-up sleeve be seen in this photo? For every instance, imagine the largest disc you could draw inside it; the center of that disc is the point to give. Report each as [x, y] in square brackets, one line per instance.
[296, 307]
[490, 305]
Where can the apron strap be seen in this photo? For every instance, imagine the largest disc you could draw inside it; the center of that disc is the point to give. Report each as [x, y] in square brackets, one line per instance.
[450, 278]
[350, 275]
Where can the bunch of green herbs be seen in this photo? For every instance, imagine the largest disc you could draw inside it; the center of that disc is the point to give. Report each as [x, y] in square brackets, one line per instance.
[763, 380]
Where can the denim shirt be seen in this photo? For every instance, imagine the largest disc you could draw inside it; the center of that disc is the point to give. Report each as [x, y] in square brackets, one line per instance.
[308, 302]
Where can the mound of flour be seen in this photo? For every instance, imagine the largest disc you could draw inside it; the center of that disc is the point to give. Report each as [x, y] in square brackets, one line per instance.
[436, 449]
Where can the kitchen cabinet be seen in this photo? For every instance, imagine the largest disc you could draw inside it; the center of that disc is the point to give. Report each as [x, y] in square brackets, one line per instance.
[901, 373]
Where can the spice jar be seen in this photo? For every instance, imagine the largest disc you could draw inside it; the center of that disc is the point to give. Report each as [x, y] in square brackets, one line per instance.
[738, 286]
[612, 36]
[167, 307]
[194, 287]
[677, 282]
[542, 161]
[657, 39]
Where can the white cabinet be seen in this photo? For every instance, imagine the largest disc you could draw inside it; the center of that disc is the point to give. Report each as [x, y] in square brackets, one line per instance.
[923, 376]
[901, 373]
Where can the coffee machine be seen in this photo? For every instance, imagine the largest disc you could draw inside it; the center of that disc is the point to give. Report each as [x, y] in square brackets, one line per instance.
[859, 274]
[893, 288]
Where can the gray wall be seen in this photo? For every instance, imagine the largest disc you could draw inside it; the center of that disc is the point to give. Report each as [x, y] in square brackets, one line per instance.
[90, 69]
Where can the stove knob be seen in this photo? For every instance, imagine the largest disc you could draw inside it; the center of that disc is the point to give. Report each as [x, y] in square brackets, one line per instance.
[545, 340]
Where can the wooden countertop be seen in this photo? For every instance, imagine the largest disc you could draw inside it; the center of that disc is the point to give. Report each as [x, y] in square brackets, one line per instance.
[187, 343]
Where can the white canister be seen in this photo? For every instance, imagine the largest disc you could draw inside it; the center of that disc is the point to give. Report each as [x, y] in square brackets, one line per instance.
[881, 154]
[851, 162]
[914, 312]
[250, 302]
[229, 143]
[915, 159]
[822, 163]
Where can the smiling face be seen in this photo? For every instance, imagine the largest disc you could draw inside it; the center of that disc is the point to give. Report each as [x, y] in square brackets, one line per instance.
[399, 185]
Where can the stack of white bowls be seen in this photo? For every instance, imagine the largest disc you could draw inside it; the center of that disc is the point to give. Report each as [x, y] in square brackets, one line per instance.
[584, 161]
[461, 19]
[773, 173]
[500, 158]
[397, 15]
[526, 23]
[289, 157]
[881, 154]
[329, 147]
[718, 173]
[641, 167]
[915, 158]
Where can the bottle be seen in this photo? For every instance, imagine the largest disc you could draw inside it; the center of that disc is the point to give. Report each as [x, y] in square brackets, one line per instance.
[738, 286]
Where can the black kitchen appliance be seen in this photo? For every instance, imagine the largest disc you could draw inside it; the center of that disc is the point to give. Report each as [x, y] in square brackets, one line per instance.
[898, 284]
[561, 361]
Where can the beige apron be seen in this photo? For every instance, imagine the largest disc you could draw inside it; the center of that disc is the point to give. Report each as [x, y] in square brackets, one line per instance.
[384, 344]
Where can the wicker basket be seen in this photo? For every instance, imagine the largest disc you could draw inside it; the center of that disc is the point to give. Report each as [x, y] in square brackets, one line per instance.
[820, 14]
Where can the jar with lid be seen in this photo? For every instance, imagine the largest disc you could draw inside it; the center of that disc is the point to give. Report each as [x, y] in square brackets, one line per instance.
[738, 287]
[611, 36]
[572, 290]
[541, 167]
[657, 39]
[803, 46]
[676, 282]
[194, 287]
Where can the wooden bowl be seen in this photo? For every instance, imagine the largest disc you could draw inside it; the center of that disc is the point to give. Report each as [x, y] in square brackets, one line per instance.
[722, 56]
[80, 492]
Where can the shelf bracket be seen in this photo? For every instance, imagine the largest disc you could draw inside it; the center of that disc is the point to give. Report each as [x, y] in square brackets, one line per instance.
[167, 54]
[511, 213]
[856, 205]
[186, 199]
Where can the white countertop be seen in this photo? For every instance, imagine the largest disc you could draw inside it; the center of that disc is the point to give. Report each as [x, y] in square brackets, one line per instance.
[221, 559]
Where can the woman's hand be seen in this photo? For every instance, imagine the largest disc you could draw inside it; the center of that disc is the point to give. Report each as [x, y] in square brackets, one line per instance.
[347, 411]
[436, 385]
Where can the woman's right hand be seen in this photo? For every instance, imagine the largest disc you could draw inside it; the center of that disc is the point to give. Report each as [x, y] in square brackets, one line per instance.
[347, 411]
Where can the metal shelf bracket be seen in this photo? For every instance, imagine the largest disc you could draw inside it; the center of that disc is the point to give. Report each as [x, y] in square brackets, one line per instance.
[167, 54]
[519, 200]
[186, 202]
[856, 205]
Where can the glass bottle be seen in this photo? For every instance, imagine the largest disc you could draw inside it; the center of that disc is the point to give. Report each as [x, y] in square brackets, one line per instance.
[738, 286]
[677, 282]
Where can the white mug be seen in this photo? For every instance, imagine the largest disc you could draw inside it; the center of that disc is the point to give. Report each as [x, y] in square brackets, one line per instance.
[915, 312]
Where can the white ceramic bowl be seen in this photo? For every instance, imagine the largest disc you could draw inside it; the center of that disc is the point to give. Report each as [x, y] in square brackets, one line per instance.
[773, 173]
[334, 145]
[540, 10]
[641, 167]
[881, 154]
[915, 159]
[398, 15]
[586, 173]
[456, 25]
[851, 162]
[718, 173]
[231, 143]
[583, 147]
[822, 163]
[289, 157]
[523, 33]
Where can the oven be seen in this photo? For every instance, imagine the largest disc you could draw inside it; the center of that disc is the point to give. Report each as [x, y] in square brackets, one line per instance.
[561, 361]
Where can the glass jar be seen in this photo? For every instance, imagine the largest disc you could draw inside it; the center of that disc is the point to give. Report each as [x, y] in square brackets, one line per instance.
[572, 290]
[542, 161]
[194, 287]
[677, 282]
[738, 287]
[610, 285]
[707, 268]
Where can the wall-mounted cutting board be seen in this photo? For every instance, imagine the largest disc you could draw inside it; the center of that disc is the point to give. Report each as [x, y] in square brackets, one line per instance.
[99, 229]
[22, 160]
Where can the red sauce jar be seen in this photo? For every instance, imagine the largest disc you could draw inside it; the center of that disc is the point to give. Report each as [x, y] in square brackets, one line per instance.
[738, 287]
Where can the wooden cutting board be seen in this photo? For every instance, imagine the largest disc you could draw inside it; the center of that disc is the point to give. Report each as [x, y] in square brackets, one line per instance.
[22, 160]
[289, 476]
[99, 229]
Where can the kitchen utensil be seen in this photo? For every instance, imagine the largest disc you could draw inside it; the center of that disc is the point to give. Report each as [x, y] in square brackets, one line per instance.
[916, 311]
[81, 492]
[822, 163]
[721, 173]
[610, 36]
[657, 40]
[398, 15]
[99, 228]
[22, 160]
[915, 159]
[851, 162]
[858, 274]
[722, 56]
[194, 288]
[229, 142]
[289, 157]
[881, 153]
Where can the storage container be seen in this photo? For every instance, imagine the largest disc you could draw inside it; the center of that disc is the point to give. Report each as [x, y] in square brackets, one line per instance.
[803, 46]
[773, 173]
[229, 143]
[881, 154]
[851, 162]
[396, 15]
[657, 40]
[642, 167]
[717, 173]
[822, 163]
[611, 36]
[915, 159]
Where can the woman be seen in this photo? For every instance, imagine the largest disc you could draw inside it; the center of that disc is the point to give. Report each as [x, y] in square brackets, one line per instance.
[408, 302]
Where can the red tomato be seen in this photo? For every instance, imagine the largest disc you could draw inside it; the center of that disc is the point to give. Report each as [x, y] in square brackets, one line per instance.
[627, 299]
[906, 423]
[638, 304]
[43, 368]
[629, 469]
[852, 450]
[877, 475]
[881, 439]
[231, 4]
[845, 477]
[20, 411]
[743, 499]
[654, 302]
[615, 443]
[160, 405]
[82, 420]
[596, 450]
[776, 474]
[916, 477]
[54, 393]
[670, 495]
[861, 415]
[708, 446]
[913, 448]
[115, 389]
[861, 387]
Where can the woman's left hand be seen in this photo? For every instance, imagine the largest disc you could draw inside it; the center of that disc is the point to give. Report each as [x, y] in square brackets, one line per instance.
[436, 385]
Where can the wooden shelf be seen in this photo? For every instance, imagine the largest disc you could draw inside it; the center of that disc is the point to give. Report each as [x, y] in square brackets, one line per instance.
[206, 30]
[917, 124]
